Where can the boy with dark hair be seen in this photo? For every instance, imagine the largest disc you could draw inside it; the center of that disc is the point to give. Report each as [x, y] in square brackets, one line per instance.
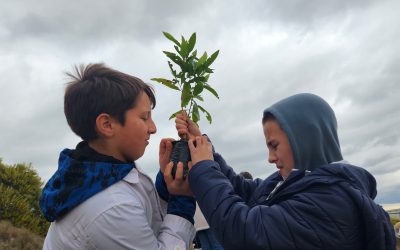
[98, 198]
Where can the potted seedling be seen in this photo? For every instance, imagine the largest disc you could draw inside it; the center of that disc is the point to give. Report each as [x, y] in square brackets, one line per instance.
[190, 74]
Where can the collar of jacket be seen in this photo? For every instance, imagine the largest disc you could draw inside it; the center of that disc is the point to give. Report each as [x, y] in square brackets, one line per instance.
[278, 192]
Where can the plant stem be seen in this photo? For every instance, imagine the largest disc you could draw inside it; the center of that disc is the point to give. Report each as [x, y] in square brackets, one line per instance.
[185, 136]
[190, 108]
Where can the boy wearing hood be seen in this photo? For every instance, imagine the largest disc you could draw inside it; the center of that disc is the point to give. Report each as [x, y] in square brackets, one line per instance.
[314, 201]
[98, 198]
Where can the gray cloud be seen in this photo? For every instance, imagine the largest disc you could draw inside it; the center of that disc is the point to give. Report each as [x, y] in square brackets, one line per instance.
[344, 51]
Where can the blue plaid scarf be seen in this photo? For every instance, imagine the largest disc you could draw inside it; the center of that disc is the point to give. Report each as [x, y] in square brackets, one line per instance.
[81, 174]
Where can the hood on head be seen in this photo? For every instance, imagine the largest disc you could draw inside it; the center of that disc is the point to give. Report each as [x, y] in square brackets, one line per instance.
[310, 125]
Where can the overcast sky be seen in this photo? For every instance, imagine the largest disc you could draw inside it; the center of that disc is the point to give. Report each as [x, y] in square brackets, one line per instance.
[346, 51]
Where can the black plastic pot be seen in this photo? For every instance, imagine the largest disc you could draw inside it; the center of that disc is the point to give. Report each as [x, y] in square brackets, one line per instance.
[180, 153]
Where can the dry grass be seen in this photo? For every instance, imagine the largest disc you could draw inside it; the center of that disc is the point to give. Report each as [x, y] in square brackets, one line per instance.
[398, 244]
[14, 238]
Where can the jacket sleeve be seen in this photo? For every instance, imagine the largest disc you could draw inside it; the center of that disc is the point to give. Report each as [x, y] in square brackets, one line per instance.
[239, 226]
[125, 227]
[244, 188]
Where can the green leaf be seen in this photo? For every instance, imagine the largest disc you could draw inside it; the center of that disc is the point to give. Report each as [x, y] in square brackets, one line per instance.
[171, 38]
[184, 48]
[209, 88]
[195, 113]
[173, 72]
[166, 82]
[186, 95]
[174, 57]
[201, 79]
[177, 50]
[202, 59]
[198, 79]
[209, 71]
[208, 116]
[198, 89]
[198, 97]
[187, 67]
[191, 63]
[211, 59]
[194, 66]
[192, 42]
[194, 54]
[175, 114]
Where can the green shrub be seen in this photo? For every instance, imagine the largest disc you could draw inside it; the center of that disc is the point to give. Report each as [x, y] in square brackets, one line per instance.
[20, 188]
[394, 220]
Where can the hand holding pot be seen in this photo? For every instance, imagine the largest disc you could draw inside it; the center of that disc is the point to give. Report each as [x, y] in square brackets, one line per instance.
[177, 185]
[165, 152]
[202, 150]
[185, 126]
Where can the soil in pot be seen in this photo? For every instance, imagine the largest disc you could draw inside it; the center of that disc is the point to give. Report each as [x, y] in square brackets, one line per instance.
[180, 153]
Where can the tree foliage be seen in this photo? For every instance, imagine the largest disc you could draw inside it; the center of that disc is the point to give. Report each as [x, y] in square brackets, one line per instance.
[191, 77]
[20, 189]
[394, 220]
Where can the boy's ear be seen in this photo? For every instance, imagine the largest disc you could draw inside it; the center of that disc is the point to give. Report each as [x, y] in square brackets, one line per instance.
[105, 125]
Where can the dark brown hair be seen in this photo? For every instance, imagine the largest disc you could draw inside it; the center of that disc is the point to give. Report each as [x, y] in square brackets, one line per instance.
[246, 175]
[97, 89]
[267, 116]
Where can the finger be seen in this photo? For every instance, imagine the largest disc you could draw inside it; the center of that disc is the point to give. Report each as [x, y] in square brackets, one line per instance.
[179, 172]
[165, 150]
[203, 140]
[178, 116]
[192, 123]
[162, 147]
[168, 146]
[180, 120]
[191, 145]
[209, 147]
[198, 140]
[181, 127]
[190, 165]
[167, 173]
[182, 132]
[184, 114]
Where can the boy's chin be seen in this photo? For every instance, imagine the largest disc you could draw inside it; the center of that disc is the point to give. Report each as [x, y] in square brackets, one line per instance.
[133, 158]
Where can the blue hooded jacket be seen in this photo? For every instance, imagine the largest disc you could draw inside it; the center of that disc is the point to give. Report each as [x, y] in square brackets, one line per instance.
[332, 207]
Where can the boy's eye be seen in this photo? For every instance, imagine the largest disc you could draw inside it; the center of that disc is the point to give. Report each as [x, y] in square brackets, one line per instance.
[273, 146]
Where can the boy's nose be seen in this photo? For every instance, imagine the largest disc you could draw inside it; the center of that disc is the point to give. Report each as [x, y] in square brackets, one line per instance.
[271, 158]
[152, 127]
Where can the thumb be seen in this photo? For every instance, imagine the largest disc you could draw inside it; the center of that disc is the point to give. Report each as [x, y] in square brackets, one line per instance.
[168, 172]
